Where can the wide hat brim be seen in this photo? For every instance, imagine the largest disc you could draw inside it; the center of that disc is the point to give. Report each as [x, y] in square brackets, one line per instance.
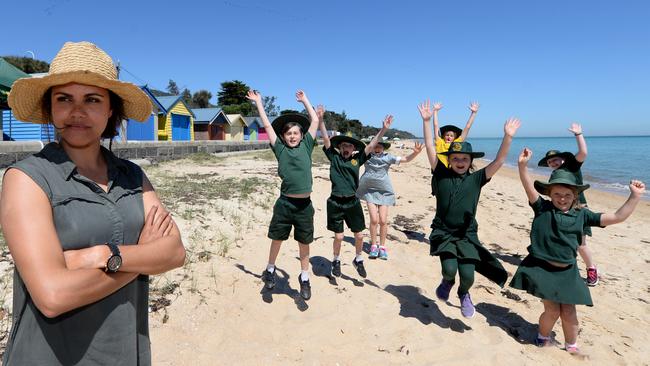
[385, 144]
[564, 155]
[473, 154]
[301, 119]
[26, 95]
[453, 128]
[358, 144]
[544, 187]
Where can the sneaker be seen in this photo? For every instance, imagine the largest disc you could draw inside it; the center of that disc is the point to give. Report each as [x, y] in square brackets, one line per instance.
[374, 251]
[572, 349]
[466, 306]
[269, 279]
[592, 276]
[383, 254]
[442, 292]
[542, 342]
[336, 268]
[305, 288]
[361, 270]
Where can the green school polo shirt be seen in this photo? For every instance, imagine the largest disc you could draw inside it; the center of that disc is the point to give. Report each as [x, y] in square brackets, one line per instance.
[344, 173]
[294, 165]
[555, 235]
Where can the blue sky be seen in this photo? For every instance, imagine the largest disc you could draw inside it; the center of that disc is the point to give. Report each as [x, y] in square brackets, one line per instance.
[549, 63]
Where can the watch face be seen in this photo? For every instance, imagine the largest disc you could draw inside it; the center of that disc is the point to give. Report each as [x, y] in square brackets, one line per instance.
[114, 263]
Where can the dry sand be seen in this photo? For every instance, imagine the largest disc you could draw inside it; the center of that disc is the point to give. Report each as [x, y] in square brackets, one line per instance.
[213, 311]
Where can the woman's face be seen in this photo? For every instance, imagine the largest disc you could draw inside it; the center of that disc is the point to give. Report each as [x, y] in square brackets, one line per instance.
[292, 136]
[562, 197]
[449, 136]
[80, 113]
[460, 163]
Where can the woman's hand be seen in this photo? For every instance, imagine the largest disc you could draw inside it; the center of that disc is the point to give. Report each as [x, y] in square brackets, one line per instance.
[425, 110]
[156, 225]
[87, 258]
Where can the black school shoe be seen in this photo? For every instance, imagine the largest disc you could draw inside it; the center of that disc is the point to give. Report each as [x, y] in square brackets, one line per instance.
[305, 288]
[336, 268]
[269, 279]
[361, 270]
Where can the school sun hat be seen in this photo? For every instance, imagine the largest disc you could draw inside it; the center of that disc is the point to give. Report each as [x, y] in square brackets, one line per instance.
[462, 148]
[453, 128]
[301, 119]
[559, 176]
[358, 144]
[82, 63]
[385, 144]
[552, 154]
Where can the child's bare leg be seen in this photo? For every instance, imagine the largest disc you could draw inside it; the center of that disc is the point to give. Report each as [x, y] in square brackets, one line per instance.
[358, 242]
[570, 327]
[549, 317]
[304, 256]
[336, 246]
[585, 253]
[374, 221]
[383, 224]
[274, 250]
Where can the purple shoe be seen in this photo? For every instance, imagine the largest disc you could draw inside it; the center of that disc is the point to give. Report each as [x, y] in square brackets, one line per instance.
[466, 306]
[442, 292]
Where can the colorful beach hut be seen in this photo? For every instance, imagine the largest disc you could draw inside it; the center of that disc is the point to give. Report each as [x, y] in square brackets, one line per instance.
[252, 128]
[235, 132]
[210, 124]
[175, 120]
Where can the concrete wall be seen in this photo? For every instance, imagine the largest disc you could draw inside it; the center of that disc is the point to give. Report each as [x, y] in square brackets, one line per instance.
[155, 151]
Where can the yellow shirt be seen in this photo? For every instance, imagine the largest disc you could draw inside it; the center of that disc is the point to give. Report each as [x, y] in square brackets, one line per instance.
[442, 146]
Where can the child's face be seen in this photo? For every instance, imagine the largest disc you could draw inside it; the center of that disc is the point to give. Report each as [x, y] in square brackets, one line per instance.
[562, 197]
[460, 163]
[555, 162]
[293, 136]
[449, 136]
[379, 149]
[346, 149]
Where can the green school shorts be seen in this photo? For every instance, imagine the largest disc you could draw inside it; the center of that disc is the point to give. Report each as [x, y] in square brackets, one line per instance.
[348, 209]
[291, 212]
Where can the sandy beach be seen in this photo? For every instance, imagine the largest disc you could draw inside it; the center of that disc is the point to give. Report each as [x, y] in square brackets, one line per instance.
[214, 311]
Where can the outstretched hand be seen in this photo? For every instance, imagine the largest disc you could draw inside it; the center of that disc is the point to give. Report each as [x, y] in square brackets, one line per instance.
[474, 106]
[320, 112]
[417, 147]
[637, 188]
[511, 126]
[301, 96]
[525, 156]
[437, 106]
[254, 96]
[388, 120]
[425, 110]
[575, 128]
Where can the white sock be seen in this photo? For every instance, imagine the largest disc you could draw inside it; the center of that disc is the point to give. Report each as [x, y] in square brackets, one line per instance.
[358, 258]
[335, 258]
[542, 337]
[270, 267]
[304, 276]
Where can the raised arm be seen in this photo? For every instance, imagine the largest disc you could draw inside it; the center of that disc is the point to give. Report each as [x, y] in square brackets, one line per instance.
[313, 126]
[436, 127]
[473, 108]
[417, 148]
[425, 113]
[255, 96]
[637, 188]
[388, 120]
[320, 112]
[509, 129]
[526, 181]
[576, 129]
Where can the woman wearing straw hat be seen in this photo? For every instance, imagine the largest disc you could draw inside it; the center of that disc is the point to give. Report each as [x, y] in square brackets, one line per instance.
[454, 234]
[550, 271]
[84, 227]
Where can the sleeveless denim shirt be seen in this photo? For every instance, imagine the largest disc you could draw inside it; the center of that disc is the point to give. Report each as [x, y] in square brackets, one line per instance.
[111, 331]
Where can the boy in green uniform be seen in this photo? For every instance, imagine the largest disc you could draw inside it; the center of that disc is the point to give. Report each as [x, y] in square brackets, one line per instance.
[550, 270]
[343, 205]
[555, 159]
[454, 235]
[292, 140]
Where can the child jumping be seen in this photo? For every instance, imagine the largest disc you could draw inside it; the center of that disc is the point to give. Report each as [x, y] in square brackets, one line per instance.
[292, 140]
[454, 235]
[450, 133]
[550, 270]
[555, 159]
[376, 189]
[346, 155]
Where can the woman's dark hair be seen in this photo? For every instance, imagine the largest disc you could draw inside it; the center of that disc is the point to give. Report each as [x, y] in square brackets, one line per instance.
[114, 121]
[289, 125]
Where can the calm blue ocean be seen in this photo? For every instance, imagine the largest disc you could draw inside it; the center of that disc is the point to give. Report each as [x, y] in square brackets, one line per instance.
[611, 161]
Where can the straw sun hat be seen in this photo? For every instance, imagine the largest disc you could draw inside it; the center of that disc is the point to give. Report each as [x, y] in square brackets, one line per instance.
[82, 63]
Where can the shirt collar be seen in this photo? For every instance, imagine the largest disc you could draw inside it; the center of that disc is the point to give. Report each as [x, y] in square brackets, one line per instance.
[55, 153]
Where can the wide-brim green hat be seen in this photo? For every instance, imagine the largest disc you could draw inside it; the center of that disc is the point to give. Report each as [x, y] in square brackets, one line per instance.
[358, 144]
[280, 121]
[560, 176]
[463, 147]
[552, 154]
[385, 144]
[453, 128]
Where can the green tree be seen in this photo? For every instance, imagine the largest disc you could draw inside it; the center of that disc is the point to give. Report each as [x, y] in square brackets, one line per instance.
[187, 97]
[201, 99]
[232, 98]
[28, 64]
[172, 88]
